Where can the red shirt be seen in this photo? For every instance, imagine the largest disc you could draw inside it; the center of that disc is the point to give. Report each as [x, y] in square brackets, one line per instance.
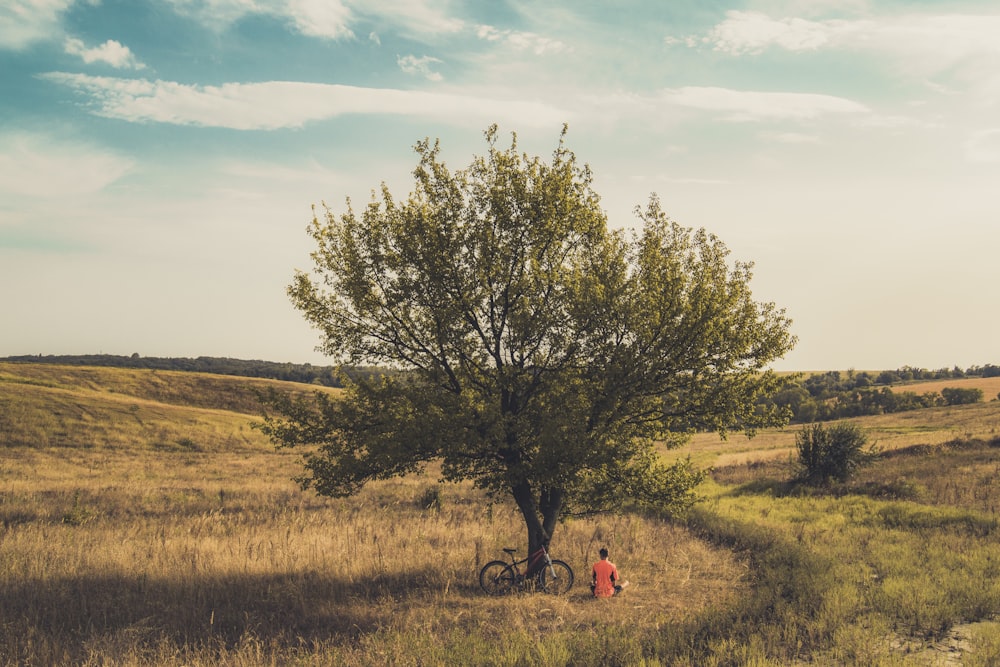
[605, 575]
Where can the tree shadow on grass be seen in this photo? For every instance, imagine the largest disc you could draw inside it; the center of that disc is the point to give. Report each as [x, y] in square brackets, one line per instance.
[798, 488]
[777, 488]
[282, 609]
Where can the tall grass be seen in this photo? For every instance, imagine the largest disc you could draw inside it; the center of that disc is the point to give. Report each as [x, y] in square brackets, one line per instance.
[890, 565]
[184, 542]
[191, 574]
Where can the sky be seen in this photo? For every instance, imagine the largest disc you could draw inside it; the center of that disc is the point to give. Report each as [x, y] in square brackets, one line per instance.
[159, 160]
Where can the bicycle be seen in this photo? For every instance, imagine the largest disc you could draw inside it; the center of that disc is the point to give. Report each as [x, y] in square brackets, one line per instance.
[500, 577]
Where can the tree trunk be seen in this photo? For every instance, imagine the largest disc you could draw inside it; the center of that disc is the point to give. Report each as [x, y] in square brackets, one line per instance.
[537, 535]
[551, 506]
[539, 517]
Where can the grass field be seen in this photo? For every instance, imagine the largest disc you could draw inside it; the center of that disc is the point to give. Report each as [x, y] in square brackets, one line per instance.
[990, 386]
[144, 523]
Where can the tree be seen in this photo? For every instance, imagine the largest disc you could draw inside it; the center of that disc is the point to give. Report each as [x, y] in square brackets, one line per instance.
[833, 453]
[537, 353]
[961, 395]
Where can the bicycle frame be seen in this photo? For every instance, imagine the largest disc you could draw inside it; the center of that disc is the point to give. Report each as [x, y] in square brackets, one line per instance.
[516, 563]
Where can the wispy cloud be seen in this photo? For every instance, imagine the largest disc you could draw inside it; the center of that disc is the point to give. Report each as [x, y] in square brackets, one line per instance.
[521, 41]
[24, 22]
[415, 18]
[951, 36]
[285, 104]
[35, 165]
[110, 52]
[420, 66]
[326, 19]
[920, 45]
[320, 18]
[750, 105]
[753, 32]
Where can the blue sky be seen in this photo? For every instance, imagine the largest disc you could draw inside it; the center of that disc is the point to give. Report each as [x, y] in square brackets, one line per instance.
[159, 160]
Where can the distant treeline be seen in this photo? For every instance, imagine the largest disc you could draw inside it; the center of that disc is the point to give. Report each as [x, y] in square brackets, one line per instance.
[839, 395]
[816, 397]
[305, 373]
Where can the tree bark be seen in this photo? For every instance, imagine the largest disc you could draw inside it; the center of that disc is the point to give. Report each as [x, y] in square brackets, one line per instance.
[540, 518]
[537, 535]
[551, 506]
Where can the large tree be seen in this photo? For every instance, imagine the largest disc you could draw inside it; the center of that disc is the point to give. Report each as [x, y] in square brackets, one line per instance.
[527, 347]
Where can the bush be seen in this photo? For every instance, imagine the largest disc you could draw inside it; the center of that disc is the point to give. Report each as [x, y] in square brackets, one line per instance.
[961, 395]
[832, 454]
[430, 500]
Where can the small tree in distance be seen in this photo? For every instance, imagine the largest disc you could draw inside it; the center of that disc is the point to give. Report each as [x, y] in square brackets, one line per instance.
[962, 395]
[832, 453]
[537, 353]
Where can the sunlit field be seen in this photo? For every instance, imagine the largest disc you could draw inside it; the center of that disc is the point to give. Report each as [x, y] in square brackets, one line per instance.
[931, 426]
[171, 534]
[145, 523]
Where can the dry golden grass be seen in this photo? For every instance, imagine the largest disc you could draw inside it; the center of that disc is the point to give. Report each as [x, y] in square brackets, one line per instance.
[990, 386]
[932, 426]
[45, 405]
[149, 526]
[140, 531]
[107, 557]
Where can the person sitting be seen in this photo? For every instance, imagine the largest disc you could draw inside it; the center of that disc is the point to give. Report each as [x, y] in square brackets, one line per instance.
[605, 577]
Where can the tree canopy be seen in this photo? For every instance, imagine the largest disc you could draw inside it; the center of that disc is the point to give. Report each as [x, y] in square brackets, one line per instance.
[537, 352]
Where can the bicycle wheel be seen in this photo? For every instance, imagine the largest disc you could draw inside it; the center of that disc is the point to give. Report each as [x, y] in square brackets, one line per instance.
[558, 579]
[496, 577]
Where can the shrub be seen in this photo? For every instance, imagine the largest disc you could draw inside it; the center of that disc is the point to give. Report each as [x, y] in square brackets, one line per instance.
[962, 395]
[78, 514]
[430, 499]
[833, 453]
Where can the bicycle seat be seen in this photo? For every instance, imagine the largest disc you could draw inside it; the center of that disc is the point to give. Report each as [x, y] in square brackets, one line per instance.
[510, 551]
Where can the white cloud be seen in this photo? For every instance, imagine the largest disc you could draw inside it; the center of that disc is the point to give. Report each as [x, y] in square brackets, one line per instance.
[521, 41]
[110, 52]
[895, 122]
[749, 105]
[753, 32]
[33, 165]
[919, 45]
[24, 22]
[416, 18]
[284, 104]
[327, 19]
[218, 14]
[320, 18]
[419, 66]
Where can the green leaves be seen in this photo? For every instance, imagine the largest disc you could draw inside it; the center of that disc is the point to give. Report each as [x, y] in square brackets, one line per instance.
[543, 355]
[832, 453]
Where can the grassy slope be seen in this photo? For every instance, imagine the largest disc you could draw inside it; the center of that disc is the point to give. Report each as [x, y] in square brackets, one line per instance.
[44, 405]
[990, 386]
[143, 522]
[893, 431]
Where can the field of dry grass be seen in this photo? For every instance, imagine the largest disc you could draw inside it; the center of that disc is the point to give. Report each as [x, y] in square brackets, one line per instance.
[142, 521]
[990, 386]
[932, 426]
